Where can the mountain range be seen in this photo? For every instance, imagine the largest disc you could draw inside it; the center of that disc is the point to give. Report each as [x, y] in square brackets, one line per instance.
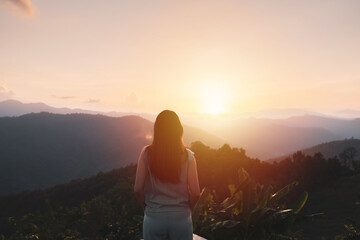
[54, 145]
[39, 150]
[270, 138]
[263, 138]
[13, 108]
[328, 149]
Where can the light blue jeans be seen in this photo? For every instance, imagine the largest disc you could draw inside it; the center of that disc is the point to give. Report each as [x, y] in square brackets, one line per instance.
[168, 226]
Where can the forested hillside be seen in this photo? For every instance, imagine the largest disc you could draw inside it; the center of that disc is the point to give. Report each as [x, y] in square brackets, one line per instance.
[103, 206]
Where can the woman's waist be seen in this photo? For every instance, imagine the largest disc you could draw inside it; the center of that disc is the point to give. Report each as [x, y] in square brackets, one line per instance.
[167, 208]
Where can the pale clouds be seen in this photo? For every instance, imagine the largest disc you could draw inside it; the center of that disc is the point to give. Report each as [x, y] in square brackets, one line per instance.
[5, 92]
[93, 100]
[64, 97]
[348, 112]
[23, 6]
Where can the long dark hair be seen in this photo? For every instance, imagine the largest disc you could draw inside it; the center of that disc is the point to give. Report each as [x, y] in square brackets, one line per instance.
[165, 154]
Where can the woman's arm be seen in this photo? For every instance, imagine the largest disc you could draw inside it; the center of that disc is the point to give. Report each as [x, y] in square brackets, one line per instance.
[140, 180]
[193, 184]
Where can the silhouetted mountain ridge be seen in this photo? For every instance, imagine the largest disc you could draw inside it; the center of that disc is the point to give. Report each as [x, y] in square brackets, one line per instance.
[264, 140]
[44, 149]
[328, 149]
[270, 138]
[13, 108]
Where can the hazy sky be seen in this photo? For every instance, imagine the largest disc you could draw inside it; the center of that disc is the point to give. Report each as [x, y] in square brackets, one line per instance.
[189, 56]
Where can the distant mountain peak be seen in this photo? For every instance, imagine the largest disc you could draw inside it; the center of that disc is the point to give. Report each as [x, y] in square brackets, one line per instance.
[15, 108]
[328, 149]
[8, 101]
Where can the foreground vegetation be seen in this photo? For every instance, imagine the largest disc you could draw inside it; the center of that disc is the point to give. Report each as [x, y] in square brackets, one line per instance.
[252, 211]
[242, 198]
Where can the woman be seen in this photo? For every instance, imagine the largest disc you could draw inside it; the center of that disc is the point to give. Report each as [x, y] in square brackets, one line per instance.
[166, 183]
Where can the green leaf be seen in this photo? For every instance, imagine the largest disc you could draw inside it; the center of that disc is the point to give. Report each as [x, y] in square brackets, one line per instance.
[223, 224]
[231, 189]
[265, 196]
[300, 202]
[234, 200]
[204, 200]
[244, 180]
[284, 191]
[229, 223]
[243, 175]
[284, 211]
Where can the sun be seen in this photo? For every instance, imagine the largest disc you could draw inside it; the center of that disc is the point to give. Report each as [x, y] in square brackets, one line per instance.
[213, 103]
[213, 97]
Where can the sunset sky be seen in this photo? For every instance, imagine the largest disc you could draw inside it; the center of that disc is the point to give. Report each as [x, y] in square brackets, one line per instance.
[198, 56]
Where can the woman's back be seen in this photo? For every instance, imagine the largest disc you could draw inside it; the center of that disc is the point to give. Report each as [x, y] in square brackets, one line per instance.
[166, 183]
[165, 196]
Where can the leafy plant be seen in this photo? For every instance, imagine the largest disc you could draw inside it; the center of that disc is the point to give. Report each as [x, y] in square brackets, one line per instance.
[252, 211]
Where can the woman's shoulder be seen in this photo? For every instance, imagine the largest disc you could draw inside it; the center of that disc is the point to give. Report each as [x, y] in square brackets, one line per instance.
[189, 151]
[145, 148]
[190, 154]
[144, 152]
